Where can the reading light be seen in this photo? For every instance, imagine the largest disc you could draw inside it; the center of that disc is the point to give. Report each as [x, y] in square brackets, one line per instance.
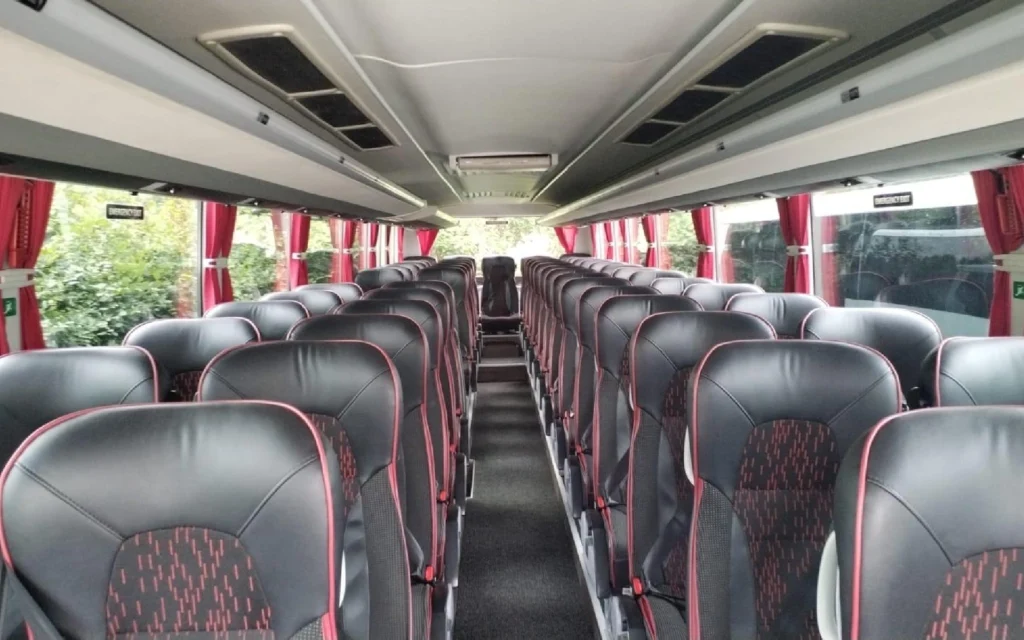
[172, 190]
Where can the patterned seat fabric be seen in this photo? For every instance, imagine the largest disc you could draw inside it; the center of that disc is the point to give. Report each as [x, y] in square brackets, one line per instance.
[784, 311]
[616, 323]
[769, 424]
[317, 301]
[370, 279]
[39, 386]
[662, 353]
[715, 296]
[107, 554]
[357, 413]
[904, 337]
[347, 291]
[927, 546]
[183, 347]
[974, 372]
[273, 318]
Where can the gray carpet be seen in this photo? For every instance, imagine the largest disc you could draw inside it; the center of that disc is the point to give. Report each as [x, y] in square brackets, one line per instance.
[518, 577]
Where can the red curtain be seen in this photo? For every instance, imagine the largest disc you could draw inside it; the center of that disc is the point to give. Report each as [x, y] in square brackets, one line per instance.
[219, 230]
[298, 243]
[634, 233]
[704, 230]
[399, 244]
[343, 237]
[829, 263]
[388, 255]
[1000, 194]
[370, 250]
[25, 247]
[426, 238]
[11, 192]
[794, 217]
[567, 237]
[624, 240]
[649, 225]
[609, 240]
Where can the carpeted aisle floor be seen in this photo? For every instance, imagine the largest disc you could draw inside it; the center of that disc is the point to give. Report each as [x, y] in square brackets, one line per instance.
[518, 577]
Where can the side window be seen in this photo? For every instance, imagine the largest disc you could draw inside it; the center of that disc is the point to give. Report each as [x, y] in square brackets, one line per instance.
[258, 250]
[679, 244]
[930, 255]
[320, 253]
[517, 238]
[751, 247]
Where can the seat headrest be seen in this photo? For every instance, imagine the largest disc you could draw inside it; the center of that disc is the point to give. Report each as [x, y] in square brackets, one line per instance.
[668, 344]
[424, 259]
[433, 285]
[619, 318]
[974, 372]
[590, 304]
[675, 285]
[610, 268]
[365, 400]
[39, 386]
[137, 472]
[903, 336]
[273, 318]
[627, 272]
[370, 279]
[453, 277]
[714, 296]
[318, 302]
[188, 344]
[646, 277]
[422, 313]
[434, 298]
[347, 291]
[922, 518]
[784, 311]
[572, 292]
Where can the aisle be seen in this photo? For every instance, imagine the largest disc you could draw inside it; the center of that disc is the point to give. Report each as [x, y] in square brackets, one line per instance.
[518, 577]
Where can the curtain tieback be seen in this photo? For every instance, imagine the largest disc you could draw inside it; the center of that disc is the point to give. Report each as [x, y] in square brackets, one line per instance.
[795, 250]
[14, 279]
[298, 255]
[215, 263]
[705, 248]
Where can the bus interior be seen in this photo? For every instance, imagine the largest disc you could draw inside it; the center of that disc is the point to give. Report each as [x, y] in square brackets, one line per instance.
[393, 320]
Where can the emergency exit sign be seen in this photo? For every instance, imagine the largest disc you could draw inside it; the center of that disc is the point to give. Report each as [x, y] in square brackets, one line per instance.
[1018, 290]
[10, 307]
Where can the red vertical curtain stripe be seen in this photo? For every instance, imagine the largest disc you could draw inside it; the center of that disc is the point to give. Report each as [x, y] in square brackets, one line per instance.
[595, 249]
[624, 249]
[999, 195]
[426, 239]
[399, 244]
[370, 250]
[794, 217]
[649, 225]
[388, 255]
[704, 230]
[219, 231]
[11, 192]
[298, 243]
[609, 240]
[566, 237]
[28, 242]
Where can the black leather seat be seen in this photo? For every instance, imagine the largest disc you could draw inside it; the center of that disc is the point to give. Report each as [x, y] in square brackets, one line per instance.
[659, 497]
[616, 323]
[676, 284]
[146, 522]
[347, 291]
[500, 297]
[626, 272]
[771, 422]
[457, 280]
[609, 268]
[927, 545]
[646, 277]
[39, 386]
[182, 347]
[904, 337]
[273, 318]
[784, 311]
[715, 296]
[370, 279]
[318, 302]
[973, 372]
[426, 259]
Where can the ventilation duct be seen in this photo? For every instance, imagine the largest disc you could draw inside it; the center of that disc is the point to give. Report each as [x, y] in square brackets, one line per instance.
[277, 58]
[515, 163]
[766, 51]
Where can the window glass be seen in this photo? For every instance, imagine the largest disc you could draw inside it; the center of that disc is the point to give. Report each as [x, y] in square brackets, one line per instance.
[320, 252]
[680, 243]
[751, 247]
[258, 253]
[517, 238]
[97, 278]
[931, 256]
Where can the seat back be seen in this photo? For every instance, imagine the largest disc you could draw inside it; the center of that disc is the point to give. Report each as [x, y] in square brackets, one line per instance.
[317, 301]
[609, 268]
[676, 284]
[784, 311]
[182, 347]
[973, 372]
[646, 277]
[715, 296]
[500, 297]
[347, 291]
[273, 318]
[370, 279]
[925, 543]
[39, 386]
[425, 259]
[626, 272]
[102, 524]
[770, 423]
[904, 337]
[458, 281]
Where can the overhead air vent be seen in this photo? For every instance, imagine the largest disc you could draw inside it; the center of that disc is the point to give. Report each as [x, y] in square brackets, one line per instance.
[766, 51]
[512, 163]
[277, 58]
